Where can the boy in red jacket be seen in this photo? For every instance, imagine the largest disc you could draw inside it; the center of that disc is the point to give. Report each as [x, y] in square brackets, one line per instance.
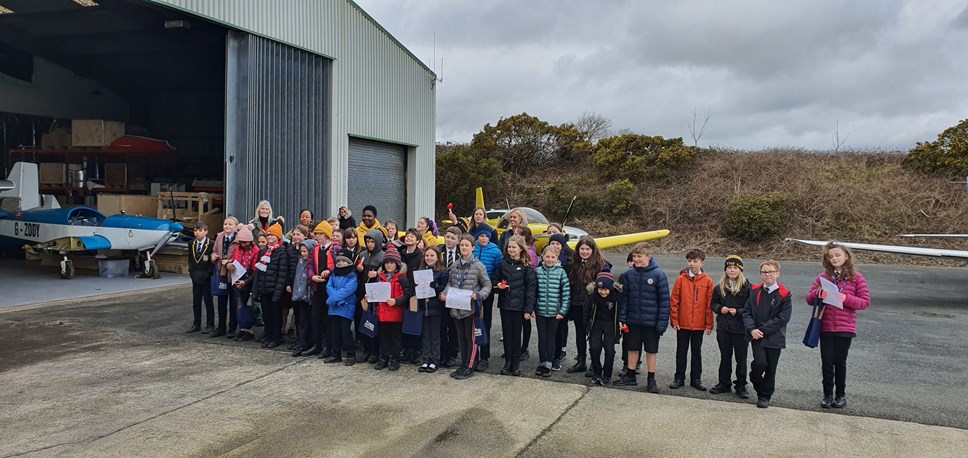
[690, 315]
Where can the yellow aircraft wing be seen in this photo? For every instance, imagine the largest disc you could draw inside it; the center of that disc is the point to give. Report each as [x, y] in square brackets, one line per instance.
[626, 239]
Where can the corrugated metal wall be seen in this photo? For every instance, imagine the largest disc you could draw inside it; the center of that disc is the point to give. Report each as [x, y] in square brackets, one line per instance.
[379, 90]
[276, 127]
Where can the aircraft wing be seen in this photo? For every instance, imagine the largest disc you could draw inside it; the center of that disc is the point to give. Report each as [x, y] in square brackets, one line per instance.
[938, 236]
[895, 249]
[626, 239]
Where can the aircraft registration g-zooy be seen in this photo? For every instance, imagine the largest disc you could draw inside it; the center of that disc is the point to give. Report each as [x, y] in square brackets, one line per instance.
[538, 224]
[35, 220]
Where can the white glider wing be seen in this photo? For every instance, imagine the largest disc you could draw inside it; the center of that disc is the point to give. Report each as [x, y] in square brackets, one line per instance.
[908, 250]
[938, 236]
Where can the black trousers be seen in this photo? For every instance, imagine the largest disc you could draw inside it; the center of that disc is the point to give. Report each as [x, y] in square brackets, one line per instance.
[340, 337]
[412, 342]
[488, 319]
[833, 362]
[391, 340]
[601, 337]
[449, 345]
[317, 319]
[526, 326]
[732, 345]
[465, 339]
[548, 347]
[270, 315]
[763, 369]
[431, 339]
[684, 340]
[300, 312]
[511, 326]
[199, 293]
[228, 303]
[561, 339]
[576, 314]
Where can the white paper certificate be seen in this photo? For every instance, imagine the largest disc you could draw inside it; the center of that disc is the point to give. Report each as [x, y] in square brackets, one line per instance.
[423, 277]
[459, 298]
[424, 291]
[833, 294]
[238, 272]
[378, 292]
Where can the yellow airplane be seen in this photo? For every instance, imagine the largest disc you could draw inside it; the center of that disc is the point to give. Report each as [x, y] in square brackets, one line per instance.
[538, 224]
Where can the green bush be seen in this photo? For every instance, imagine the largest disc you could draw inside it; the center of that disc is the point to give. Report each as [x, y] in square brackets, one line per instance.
[638, 157]
[755, 218]
[948, 155]
[459, 172]
[620, 199]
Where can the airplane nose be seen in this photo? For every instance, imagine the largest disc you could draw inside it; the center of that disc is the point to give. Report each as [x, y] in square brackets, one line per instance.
[175, 227]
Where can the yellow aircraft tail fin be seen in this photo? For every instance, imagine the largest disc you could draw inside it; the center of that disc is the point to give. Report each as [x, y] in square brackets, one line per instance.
[479, 198]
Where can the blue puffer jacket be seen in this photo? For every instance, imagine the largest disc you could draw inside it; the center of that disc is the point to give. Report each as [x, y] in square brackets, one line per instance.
[645, 297]
[342, 293]
[490, 256]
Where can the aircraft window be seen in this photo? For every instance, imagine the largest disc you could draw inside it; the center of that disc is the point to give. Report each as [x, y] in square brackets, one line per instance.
[82, 217]
[503, 223]
[534, 216]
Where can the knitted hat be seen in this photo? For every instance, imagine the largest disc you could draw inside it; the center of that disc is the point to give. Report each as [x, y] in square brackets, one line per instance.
[245, 234]
[483, 228]
[345, 259]
[560, 238]
[324, 228]
[733, 260]
[392, 255]
[605, 280]
[276, 230]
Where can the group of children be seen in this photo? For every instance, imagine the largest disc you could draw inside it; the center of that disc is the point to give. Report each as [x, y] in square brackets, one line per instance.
[320, 272]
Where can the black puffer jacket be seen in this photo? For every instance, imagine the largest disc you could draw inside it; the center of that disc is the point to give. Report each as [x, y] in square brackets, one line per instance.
[522, 290]
[727, 322]
[271, 284]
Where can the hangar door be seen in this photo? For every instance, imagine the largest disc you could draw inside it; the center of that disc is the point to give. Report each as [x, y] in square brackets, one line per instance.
[378, 177]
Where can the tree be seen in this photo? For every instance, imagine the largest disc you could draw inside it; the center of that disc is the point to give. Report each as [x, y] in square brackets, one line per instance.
[459, 171]
[637, 157]
[593, 127]
[692, 127]
[523, 141]
[948, 155]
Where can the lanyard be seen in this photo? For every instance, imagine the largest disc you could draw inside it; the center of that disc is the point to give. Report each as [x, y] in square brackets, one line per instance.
[462, 272]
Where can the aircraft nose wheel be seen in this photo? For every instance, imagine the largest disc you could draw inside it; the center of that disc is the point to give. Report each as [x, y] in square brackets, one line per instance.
[67, 269]
[151, 269]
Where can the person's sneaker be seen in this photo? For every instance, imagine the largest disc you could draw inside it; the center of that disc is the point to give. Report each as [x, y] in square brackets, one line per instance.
[677, 383]
[578, 367]
[350, 360]
[720, 388]
[515, 371]
[482, 365]
[697, 384]
[539, 370]
[431, 368]
[423, 367]
[597, 380]
[763, 403]
[332, 359]
[373, 359]
[407, 354]
[464, 373]
[506, 369]
[525, 354]
[840, 402]
[652, 386]
[365, 356]
[605, 380]
[394, 365]
[381, 364]
[742, 392]
[556, 365]
[589, 373]
[827, 401]
[626, 380]
[458, 371]
[415, 359]
[545, 372]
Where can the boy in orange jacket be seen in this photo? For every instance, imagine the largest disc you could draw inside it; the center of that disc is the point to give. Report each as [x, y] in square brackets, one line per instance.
[690, 315]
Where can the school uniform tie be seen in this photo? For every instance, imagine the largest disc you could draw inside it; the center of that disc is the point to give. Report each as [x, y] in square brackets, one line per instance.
[450, 258]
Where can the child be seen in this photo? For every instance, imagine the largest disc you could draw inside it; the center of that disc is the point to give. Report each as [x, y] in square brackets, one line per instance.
[433, 310]
[200, 269]
[529, 240]
[644, 312]
[341, 291]
[393, 235]
[246, 255]
[223, 251]
[389, 314]
[602, 317]
[306, 218]
[411, 255]
[559, 242]
[338, 238]
[301, 295]
[691, 316]
[467, 273]
[367, 268]
[321, 266]
[551, 307]
[838, 327]
[262, 241]
[765, 317]
[333, 224]
[587, 264]
[489, 255]
[271, 275]
[427, 230]
[518, 284]
[298, 235]
[449, 347]
[729, 299]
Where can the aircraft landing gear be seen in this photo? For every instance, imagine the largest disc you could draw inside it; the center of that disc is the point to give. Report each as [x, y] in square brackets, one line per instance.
[148, 267]
[67, 269]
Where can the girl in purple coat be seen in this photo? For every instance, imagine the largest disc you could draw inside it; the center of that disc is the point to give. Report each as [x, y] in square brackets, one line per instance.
[838, 326]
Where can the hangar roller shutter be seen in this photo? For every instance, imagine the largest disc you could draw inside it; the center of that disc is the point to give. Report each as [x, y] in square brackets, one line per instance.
[378, 177]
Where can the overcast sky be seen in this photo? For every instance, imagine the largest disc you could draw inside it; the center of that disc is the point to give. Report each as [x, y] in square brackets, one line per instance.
[771, 74]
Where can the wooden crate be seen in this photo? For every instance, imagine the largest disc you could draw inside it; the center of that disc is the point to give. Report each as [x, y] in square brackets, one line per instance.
[95, 132]
[133, 205]
[53, 173]
[172, 263]
[190, 207]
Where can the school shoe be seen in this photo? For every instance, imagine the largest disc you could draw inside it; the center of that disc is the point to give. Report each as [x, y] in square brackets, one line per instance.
[381, 364]
[556, 365]
[578, 367]
[246, 337]
[350, 360]
[546, 372]
[230, 334]
[539, 370]
[273, 344]
[407, 355]
[762, 402]
[827, 401]
[333, 359]
[365, 356]
[312, 351]
[373, 359]
[720, 388]
[677, 383]
[525, 354]
[218, 333]
[652, 386]
[431, 368]
[464, 373]
[450, 362]
[423, 367]
[415, 359]
[742, 392]
[482, 366]
[697, 384]
[515, 369]
[506, 370]
[394, 365]
[840, 402]
[626, 380]
[194, 328]
[589, 373]
[208, 329]
[326, 353]
[458, 371]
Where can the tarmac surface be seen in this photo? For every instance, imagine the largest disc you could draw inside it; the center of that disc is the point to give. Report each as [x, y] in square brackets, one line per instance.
[118, 377]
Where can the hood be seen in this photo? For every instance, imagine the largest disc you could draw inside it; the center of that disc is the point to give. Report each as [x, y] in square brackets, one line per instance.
[310, 244]
[377, 236]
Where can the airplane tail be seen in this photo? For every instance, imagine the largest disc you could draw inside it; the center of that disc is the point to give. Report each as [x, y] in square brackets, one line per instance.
[479, 198]
[25, 194]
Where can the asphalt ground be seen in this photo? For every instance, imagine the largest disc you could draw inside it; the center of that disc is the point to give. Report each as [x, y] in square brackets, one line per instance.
[118, 377]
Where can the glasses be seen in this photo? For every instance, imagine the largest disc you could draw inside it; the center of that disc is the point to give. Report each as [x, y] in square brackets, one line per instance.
[767, 272]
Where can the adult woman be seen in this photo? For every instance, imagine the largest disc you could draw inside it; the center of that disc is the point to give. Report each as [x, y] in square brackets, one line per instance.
[838, 326]
[263, 219]
[427, 230]
[346, 220]
[516, 219]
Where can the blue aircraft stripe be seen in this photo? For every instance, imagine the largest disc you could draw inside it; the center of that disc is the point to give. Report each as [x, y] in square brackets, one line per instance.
[95, 242]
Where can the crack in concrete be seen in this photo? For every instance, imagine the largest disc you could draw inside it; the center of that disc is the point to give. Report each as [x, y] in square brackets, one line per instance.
[97, 438]
[587, 389]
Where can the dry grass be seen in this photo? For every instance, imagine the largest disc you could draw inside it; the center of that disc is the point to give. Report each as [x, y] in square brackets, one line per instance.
[858, 197]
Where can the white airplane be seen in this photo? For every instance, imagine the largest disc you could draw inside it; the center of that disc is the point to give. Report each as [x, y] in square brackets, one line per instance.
[897, 249]
[29, 218]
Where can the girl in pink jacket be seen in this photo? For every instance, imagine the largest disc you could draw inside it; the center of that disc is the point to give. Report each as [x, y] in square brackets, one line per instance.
[838, 326]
